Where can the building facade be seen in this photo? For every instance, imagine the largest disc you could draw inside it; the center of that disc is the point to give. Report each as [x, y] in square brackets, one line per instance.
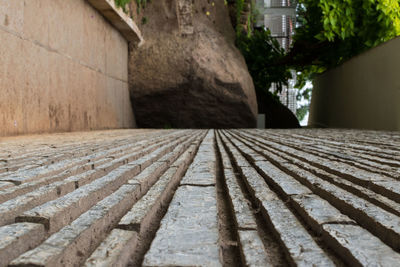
[279, 16]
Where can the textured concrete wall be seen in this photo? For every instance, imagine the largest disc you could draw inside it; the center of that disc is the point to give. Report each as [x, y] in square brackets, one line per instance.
[362, 93]
[63, 68]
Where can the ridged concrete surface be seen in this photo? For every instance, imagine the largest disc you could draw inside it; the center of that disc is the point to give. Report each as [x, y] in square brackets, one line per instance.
[201, 198]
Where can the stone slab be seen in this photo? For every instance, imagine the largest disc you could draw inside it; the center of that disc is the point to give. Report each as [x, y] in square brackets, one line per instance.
[253, 250]
[115, 250]
[317, 211]
[17, 238]
[244, 216]
[60, 212]
[300, 246]
[143, 210]
[188, 234]
[10, 209]
[360, 247]
[73, 243]
[202, 170]
[285, 183]
[384, 224]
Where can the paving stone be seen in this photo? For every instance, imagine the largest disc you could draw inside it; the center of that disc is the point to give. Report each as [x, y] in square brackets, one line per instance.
[202, 170]
[326, 195]
[115, 250]
[143, 210]
[185, 159]
[364, 192]
[239, 159]
[188, 234]
[317, 211]
[300, 246]
[244, 217]
[283, 182]
[390, 188]
[150, 174]
[338, 153]
[45, 171]
[359, 246]
[187, 155]
[10, 209]
[255, 182]
[73, 243]
[60, 212]
[17, 238]
[385, 224]
[170, 157]
[226, 163]
[100, 165]
[348, 171]
[4, 185]
[253, 249]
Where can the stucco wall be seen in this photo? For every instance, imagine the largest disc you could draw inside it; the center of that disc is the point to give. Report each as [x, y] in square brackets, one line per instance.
[63, 67]
[362, 93]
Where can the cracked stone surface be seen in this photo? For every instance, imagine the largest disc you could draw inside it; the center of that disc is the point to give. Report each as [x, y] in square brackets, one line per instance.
[302, 197]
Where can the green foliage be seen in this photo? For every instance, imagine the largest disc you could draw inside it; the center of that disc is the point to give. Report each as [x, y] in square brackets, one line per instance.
[374, 21]
[303, 96]
[239, 10]
[122, 3]
[302, 111]
[140, 4]
[328, 33]
[332, 31]
[262, 53]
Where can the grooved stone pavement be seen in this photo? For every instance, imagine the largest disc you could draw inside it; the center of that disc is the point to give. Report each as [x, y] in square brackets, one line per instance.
[306, 197]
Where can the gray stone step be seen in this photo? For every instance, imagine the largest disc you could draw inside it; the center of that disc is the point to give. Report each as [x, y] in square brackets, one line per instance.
[61, 211]
[10, 209]
[17, 238]
[386, 186]
[202, 170]
[115, 250]
[360, 191]
[73, 243]
[382, 223]
[57, 213]
[293, 197]
[144, 210]
[251, 246]
[54, 169]
[300, 247]
[117, 247]
[240, 205]
[188, 234]
[355, 159]
[359, 247]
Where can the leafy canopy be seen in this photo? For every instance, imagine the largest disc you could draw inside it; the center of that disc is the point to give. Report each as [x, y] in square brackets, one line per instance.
[332, 31]
[262, 53]
[328, 32]
[123, 3]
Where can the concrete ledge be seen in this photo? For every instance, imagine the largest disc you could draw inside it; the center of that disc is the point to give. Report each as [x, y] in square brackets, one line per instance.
[119, 19]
